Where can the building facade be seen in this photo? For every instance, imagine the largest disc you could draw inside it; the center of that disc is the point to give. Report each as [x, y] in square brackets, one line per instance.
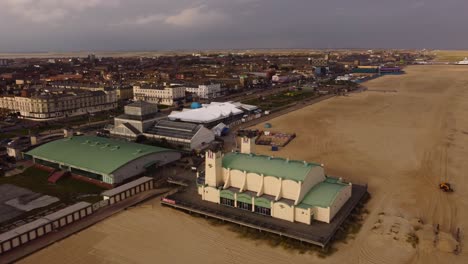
[205, 91]
[137, 118]
[294, 191]
[60, 105]
[157, 95]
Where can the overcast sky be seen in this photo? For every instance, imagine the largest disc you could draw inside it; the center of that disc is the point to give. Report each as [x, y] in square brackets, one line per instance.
[151, 25]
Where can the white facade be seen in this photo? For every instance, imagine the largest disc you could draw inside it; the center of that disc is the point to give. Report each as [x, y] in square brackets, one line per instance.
[205, 91]
[164, 96]
[55, 106]
[279, 197]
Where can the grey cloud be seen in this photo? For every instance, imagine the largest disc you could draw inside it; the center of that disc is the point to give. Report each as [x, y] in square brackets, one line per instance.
[67, 25]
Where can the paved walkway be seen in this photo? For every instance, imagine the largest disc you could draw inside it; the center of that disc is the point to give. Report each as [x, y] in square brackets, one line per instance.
[44, 241]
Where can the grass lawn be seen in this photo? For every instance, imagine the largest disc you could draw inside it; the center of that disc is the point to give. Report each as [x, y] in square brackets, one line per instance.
[280, 99]
[66, 189]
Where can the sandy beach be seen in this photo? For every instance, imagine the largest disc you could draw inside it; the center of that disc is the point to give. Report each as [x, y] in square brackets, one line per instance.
[403, 137]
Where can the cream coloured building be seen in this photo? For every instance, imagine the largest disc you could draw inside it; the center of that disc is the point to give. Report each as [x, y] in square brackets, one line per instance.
[296, 191]
[60, 105]
[205, 91]
[156, 95]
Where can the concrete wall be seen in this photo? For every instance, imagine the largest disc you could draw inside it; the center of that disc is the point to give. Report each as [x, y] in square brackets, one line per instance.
[210, 194]
[237, 179]
[341, 198]
[302, 215]
[121, 130]
[136, 167]
[254, 182]
[202, 138]
[290, 189]
[271, 185]
[322, 214]
[283, 211]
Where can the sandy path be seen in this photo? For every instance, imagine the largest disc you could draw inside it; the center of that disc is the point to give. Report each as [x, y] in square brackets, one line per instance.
[402, 144]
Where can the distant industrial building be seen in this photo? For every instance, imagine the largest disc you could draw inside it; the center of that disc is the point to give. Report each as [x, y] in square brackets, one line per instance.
[59, 104]
[214, 113]
[186, 135]
[159, 95]
[296, 191]
[137, 118]
[101, 160]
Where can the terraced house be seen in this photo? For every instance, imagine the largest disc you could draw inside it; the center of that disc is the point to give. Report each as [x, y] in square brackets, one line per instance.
[291, 190]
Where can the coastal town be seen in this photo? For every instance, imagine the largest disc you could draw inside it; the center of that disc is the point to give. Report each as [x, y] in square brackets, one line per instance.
[85, 139]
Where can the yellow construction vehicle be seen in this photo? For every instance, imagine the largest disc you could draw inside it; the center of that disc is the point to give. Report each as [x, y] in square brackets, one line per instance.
[445, 186]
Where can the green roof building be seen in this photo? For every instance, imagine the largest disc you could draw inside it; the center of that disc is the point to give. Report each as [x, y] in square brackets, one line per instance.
[292, 190]
[106, 160]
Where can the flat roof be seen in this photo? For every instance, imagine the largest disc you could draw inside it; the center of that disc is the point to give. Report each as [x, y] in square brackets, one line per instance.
[268, 166]
[95, 154]
[22, 229]
[66, 211]
[124, 187]
[42, 221]
[323, 194]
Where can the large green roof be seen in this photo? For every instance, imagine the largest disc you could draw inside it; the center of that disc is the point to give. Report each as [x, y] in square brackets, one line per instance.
[268, 166]
[95, 154]
[322, 194]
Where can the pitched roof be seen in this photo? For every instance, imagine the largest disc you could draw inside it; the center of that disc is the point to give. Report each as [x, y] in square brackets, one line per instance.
[95, 154]
[268, 166]
[174, 129]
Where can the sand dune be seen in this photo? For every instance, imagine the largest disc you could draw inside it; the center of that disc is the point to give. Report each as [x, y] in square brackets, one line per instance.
[401, 143]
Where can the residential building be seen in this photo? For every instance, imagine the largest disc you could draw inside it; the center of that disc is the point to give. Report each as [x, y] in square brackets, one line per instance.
[159, 95]
[61, 104]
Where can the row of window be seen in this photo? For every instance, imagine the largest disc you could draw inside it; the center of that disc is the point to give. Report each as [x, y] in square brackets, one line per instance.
[245, 206]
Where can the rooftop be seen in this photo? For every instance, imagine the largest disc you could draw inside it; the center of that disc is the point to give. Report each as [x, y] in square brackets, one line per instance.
[174, 129]
[96, 154]
[126, 186]
[268, 166]
[323, 194]
[207, 113]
